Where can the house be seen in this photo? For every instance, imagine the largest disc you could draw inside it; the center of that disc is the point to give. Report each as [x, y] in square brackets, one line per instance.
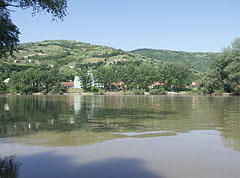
[156, 83]
[6, 81]
[93, 82]
[119, 84]
[194, 84]
[16, 61]
[98, 85]
[67, 84]
[77, 82]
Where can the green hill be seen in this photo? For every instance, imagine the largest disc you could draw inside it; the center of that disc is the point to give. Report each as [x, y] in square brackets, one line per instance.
[64, 53]
[199, 61]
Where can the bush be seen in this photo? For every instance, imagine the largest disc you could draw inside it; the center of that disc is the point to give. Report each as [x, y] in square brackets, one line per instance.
[3, 87]
[57, 88]
[219, 90]
[94, 89]
[138, 92]
[100, 92]
[159, 91]
[44, 91]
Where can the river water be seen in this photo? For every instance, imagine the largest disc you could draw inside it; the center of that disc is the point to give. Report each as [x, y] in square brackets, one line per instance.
[119, 136]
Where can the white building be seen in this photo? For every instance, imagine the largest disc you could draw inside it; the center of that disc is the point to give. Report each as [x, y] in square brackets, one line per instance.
[78, 82]
[6, 81]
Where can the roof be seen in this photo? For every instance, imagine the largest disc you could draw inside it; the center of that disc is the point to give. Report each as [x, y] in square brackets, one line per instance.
[68, 84]
[158, 83]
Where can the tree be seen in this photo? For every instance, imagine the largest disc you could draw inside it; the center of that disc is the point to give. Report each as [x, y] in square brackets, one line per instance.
[225, 72]
[145, 75]
[9, 33]
[3, 87]
[175, 75]
[85, 78]
[210, 82]
[126, 74]
[236, 44]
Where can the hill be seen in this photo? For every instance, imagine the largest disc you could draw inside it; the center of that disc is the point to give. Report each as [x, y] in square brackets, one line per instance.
[200, 61]
[64, 53]
[42, 66]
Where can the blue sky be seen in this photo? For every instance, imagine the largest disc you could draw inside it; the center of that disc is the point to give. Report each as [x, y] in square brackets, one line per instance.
[188, 25]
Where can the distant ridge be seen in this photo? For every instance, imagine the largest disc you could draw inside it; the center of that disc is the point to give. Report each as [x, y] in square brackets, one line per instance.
[67, 53]
[200, 61]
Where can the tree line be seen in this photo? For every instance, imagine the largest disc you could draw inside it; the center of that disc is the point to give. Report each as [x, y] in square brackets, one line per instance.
[224, 75]
[132, 75]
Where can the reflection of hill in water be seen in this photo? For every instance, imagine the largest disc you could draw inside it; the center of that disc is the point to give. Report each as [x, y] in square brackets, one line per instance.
[79, 137]
[78, 120]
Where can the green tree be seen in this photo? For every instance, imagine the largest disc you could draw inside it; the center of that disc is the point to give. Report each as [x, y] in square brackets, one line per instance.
[85, 78]
[126, 74]
[175, 75]
[35, 80]
[210, 82]
[228, 67]
[105, 75]
[9, 33]
[3, 87]
[145, 75]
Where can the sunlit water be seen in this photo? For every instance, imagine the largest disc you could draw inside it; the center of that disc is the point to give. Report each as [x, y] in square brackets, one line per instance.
[119, 136]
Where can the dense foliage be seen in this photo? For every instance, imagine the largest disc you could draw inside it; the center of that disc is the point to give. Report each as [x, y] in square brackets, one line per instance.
[225, 73]
[27, 79]
[9, 33]
[196, 60]
[174, 76]
[42, 66]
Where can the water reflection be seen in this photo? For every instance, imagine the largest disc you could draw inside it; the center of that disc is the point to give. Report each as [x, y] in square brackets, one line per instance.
[9, 167]
[78, 120]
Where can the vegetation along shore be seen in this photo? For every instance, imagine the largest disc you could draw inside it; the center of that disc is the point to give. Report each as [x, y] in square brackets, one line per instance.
[60, 66]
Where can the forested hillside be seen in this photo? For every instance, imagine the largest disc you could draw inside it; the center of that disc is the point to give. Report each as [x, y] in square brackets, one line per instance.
[196, 60]
[42, 66]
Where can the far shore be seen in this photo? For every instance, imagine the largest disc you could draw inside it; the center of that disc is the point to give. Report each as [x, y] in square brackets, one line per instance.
[121, 93]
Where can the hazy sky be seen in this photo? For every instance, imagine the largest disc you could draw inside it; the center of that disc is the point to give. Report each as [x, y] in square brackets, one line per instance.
[189, 25]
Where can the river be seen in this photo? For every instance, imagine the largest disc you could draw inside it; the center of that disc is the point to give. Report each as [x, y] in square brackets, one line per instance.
[119, 136]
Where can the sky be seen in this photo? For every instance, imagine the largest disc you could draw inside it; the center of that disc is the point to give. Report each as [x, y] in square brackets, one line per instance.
[182, 25]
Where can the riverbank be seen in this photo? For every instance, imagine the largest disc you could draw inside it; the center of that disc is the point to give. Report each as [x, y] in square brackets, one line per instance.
[121, 93]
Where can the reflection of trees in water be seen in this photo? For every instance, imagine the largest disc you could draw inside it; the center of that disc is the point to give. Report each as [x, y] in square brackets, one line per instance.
[32, 113]
[9, 167]
[231, 139]
[29, 114]
[223, 114]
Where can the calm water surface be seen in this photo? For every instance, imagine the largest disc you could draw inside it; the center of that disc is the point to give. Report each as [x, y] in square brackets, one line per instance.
[119, 136]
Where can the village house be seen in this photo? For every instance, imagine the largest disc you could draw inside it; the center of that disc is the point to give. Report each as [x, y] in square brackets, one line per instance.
[6, 81]
[67, 84]
[194, 84]
[78, 82]
[16, 61]
[155, 84]
[71, 67]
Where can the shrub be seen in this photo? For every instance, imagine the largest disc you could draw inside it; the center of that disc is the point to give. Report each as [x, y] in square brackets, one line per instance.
[160, 91]
[138, 92]
[94, 89]
[100, 92]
